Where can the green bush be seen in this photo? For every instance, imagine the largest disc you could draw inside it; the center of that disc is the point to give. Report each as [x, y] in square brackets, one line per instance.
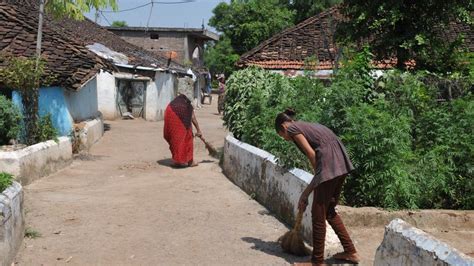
[10, 118]
[5, 180]
[410, 149]
[46, 129]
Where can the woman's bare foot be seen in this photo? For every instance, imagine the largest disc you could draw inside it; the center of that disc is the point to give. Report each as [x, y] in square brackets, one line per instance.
[352, 257]
[192, 164]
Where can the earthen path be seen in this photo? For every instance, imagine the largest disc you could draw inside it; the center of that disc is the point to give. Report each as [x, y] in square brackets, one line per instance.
[123, 204]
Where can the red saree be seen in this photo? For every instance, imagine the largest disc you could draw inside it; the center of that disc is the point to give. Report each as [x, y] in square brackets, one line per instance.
[178, 130]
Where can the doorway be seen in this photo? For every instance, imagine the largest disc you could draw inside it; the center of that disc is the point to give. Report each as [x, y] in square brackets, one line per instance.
[131, 96]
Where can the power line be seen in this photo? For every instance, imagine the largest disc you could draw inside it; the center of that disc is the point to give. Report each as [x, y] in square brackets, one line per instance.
[149, 16]
[110, 24]
[151, 3]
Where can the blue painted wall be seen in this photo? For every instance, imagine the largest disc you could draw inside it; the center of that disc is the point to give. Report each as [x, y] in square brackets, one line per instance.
[52, 101]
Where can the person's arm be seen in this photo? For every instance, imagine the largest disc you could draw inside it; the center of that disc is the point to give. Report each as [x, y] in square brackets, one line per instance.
[304, 145]
[196, 125]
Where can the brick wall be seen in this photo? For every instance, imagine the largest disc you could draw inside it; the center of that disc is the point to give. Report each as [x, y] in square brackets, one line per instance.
[167, 41]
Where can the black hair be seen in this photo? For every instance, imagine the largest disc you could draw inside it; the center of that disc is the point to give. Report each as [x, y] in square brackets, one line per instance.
[286, 116]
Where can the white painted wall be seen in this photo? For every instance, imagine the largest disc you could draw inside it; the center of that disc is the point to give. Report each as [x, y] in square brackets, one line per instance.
[159, 93]
[91, 132]
[404, 244]
[37, 160]
[83, 104]
[106, 95]
[12, 222]
[165, 93]
[257, 173]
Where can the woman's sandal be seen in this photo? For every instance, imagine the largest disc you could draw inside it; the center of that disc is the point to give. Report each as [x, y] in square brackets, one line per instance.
[354, 257]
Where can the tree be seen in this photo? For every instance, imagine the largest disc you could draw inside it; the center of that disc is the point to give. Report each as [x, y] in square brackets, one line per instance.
[407, 30]
[75, 9]
[249, 22]
[220, 57]
[306, 8]
[119, 23]
[26, 75]
[244, 24]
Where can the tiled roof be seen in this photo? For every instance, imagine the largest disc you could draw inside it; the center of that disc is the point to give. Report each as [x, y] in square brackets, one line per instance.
[69, 61]
[314, 37]
[88, 33]
[291, 48]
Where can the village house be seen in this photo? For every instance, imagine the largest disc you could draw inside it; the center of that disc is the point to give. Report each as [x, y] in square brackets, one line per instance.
[96, 72]
[311, 45]
[72, 96]
[187, 43]
[142, 84]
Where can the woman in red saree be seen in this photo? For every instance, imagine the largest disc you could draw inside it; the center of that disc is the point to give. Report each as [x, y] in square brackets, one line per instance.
[178, 131]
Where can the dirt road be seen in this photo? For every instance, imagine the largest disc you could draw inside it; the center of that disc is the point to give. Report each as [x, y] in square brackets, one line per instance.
[123, 204]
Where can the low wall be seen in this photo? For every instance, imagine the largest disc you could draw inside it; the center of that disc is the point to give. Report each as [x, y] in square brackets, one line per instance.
[257, 173]
[37, 160]
[91, 132]
[404, 244]
[12, 223]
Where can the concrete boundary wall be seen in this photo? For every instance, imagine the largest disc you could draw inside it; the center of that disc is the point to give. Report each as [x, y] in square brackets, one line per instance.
[12, 223]
[404, 244]
[37, 160]
[257, 173]
[91, 133]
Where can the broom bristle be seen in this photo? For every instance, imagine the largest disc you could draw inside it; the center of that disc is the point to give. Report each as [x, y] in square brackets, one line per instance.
[212, 151]
[292, 242]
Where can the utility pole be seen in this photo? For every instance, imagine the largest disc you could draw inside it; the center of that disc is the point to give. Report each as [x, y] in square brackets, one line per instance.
[96, 18]
[39, 36]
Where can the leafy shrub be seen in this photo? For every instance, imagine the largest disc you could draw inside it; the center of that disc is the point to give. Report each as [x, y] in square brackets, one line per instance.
[5, 180]
[379, 146]
[46, 129]
[410, 149]
[10, 118]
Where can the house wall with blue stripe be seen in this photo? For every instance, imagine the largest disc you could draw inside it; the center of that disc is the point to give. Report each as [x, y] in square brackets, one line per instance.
[66, 107]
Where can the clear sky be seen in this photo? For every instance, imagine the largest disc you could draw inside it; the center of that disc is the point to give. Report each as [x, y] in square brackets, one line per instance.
[190, 15]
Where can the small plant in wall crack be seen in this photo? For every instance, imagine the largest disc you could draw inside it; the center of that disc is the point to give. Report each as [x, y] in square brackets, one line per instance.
[6, 180]
[32, 233]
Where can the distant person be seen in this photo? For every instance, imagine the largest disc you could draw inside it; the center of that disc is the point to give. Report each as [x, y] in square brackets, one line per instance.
[208, 83]
[221, 99]
[178, 131]
[331, 165]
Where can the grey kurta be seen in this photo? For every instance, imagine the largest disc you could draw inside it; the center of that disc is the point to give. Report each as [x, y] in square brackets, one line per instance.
[332, 158]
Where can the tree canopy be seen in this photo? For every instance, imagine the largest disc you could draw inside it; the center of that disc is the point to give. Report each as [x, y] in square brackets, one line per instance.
[248, 22]
[407, 30]
[220, 57]
[75, 8]
[304, 9]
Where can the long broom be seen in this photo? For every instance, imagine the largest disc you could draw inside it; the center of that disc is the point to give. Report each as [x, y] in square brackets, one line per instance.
[292, 241]
[212, 151]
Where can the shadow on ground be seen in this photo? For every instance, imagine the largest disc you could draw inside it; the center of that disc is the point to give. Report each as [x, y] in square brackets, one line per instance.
[170, 163]
[273, 248]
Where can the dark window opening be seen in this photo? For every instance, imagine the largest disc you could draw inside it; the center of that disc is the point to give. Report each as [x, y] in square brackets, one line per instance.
[154, 36]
